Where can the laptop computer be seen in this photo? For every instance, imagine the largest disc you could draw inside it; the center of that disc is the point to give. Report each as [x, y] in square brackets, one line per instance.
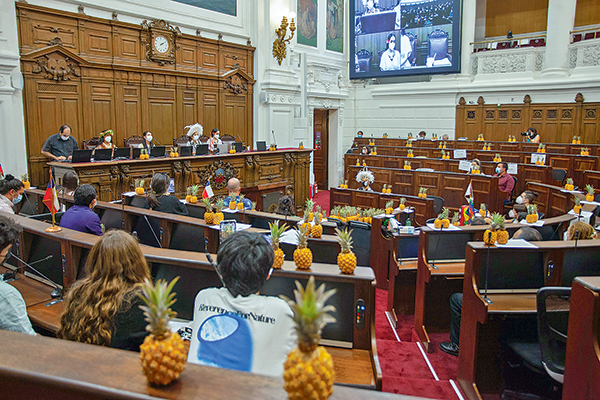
[223, 148]
[185, 151]
[201, 149]
[261, 145]
[239, 147]
[135, 153]
[81, 156]
[103, 154]
[158, 151]
[122, 152]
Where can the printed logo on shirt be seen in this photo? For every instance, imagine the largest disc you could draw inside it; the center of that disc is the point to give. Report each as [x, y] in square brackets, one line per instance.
[250, 315]
[225, 341]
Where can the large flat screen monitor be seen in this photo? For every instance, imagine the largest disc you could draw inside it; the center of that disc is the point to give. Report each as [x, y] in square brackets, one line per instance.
[404, 37]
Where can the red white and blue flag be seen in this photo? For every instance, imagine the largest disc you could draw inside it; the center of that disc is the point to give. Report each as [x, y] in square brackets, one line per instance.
[1, 171]
[50, 197]
[208, 192]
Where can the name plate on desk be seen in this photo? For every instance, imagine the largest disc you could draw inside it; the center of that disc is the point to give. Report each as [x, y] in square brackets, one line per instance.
[513, 169]
[460, 153]
[464, 165]
[536, 157]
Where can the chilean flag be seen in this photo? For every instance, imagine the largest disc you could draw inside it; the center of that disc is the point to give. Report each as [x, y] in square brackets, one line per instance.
[208, 192]
[50, 197]
[1, 171]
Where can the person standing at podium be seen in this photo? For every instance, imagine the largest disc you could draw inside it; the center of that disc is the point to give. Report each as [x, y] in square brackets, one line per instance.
[60, 147]
[146, 141]
[214, 140]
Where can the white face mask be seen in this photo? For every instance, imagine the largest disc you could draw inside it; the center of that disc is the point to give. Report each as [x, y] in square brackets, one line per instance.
[108, 139]
[64, 137]
[511, 214]
[392, 46]
[217, 137]
[498, 170]
[519, 200]
[196, 137]
[149, 138]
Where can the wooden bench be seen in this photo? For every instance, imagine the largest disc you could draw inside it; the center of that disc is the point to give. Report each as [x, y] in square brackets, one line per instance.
[511, 283]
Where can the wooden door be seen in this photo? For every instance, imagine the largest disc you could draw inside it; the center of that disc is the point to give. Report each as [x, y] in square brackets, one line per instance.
[320, 145]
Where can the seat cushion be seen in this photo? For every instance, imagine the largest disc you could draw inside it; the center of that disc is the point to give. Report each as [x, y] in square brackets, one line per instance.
[530, 353]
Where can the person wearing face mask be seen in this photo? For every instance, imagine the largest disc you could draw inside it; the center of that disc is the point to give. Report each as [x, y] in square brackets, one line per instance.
[11, 193]
[81, 217]
[475, 165]
[13, 312]
[390, 58]
[519, 210]
[146, 141]
[106, 140]
[194, 133]
[214, 140]
[365, 178]
[60, 147]
[506, 183]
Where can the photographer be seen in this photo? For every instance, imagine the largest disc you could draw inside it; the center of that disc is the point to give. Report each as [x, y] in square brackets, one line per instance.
[531, 135]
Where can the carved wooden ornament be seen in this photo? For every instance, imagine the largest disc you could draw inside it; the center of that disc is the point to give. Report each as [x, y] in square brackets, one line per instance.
[160, 37]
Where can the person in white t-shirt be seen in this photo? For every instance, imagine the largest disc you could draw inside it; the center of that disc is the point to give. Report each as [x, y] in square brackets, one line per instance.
[234, 327]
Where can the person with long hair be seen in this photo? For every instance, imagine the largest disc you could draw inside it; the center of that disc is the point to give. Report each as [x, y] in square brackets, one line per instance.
[106, 137]
[103, 308]
[70, 181]
[214, 140]
[11, 193]
[158, 198]
[147, 141]
[580, 230]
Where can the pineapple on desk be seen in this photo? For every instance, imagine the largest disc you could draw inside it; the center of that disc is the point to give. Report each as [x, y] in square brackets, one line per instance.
[308, 370]
[346, 259]
[276, 232]
[208, 214]
[302, 255]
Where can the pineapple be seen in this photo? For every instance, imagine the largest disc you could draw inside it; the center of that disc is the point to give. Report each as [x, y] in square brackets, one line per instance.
[302, 255]
[253, 206]
[232, 204]
[483, 210]
[456, 218]
[276, 232]
[532, 215]
[309, 210]
[569, 185]
[188, 197]
[589, 195]
[501, 233]
[407, 165]
[317, 229]
[389, 207]
[240, 204]
[490, 236]
[389, 189]
[577, 206]
[139, 186]
[208, 214]
[442, 219]
[384, 190]
[574, 141]
[308, 370]
[25, 180]
[194, 197]
[218, 216]
[163, 353]
[346, 260]
[402, 204]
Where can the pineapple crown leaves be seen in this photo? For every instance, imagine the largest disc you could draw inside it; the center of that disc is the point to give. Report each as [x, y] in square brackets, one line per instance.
[483, 206]
[532, 209]
[303, 232]
[276, 231]
[25, 177]
[254, 205]
[497, 221]
[344, 238]
[207, 204]
[402, 200]
[577, 201]
[195, 189]
[389, 204]
[407, 163]
[589, 189]
[189, 190]
[310, 312]
[220, 205]
[570, 181]
[455, 216]
[310, 205]
[158, 298]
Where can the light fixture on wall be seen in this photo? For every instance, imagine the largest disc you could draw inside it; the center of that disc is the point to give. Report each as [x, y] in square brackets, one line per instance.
[279, 44]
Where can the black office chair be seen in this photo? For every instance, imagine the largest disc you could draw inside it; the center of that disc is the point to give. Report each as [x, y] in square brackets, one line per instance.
[361, 241]
[438, 203]
[547, 356]
[340, 225]
[437, 45]
[364, 60]
[559, 175]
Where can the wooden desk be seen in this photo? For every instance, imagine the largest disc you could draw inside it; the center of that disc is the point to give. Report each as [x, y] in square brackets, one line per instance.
[53, 369]
[254, 170]
[514, 277]
[582, 364]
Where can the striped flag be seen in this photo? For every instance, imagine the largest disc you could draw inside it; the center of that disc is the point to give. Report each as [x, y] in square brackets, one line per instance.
[1, 171]
[208, 192]
[50, 197]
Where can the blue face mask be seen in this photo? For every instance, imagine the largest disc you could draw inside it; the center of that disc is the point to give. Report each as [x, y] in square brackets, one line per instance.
[498, 170]
[17, 199]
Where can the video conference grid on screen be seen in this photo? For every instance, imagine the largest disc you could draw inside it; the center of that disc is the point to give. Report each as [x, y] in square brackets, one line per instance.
[405, 37]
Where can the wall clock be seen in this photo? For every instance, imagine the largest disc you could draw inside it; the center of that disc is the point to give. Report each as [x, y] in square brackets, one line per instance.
[160, 38]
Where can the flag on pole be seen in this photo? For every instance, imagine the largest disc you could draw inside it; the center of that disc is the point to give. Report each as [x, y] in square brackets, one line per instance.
[208, 192]
[50, 197]
[469, 191]
[1, 171]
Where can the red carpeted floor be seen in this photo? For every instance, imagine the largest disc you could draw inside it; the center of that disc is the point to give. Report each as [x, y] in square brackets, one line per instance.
[322, 199]
[404, 366]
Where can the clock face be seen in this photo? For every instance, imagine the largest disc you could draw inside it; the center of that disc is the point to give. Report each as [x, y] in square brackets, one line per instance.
[161, 44]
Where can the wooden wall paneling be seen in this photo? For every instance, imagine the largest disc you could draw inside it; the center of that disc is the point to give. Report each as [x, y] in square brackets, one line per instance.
[516, 16]
[454, 187]
[127, 44]
[209, 106]
[97, 41]
[208, 57]
[589, 131]
[403, 182]
[128, 112]
[160, 113]
[99, 108]
[587, 13]
[187, 97]
[429, 181]
[186, 58]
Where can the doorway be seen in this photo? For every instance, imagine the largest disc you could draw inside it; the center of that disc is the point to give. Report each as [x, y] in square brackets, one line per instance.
[321, 148]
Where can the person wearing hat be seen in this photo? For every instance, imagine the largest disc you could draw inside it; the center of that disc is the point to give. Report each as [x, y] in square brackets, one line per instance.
[194, 134]
[106, 137]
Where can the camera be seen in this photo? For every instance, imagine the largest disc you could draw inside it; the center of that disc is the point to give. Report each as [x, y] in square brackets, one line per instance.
[525, 133]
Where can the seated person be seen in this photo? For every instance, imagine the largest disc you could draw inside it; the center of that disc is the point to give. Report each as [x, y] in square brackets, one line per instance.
[234, 188]
[81, 217]
[359, 134]
[506, 183]
[579, 230]
[531, 135]
[422, 135]
[365, 178]
[13, 312]
[146, 141]
[371, 6]
[475, 165]
[214, 140]
[194, 133]
[364, 151]
[391, 59]
[226, 331]
[103, 308]
[158, 198]
[70, 181]
[526, 233]
[106, 137]
[60, 147]
[445, 137]
[11, 193]
[519, 210]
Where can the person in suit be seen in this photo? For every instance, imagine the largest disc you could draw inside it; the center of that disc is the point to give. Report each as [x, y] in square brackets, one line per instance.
[158, 198]
[60, 147]
[103, 308]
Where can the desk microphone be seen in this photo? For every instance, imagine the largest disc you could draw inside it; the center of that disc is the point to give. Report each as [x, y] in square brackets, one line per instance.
[240, 139]
[210, 260]
[154, 140]
[33, 210]
[274, 140]
[57, 292]
[11, 275]
[153, 233]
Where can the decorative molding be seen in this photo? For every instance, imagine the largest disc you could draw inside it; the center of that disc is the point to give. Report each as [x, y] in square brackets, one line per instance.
[218, 173]
[235, 85]
[341, 117]
[591, 56]
[57, 40]
[159, 27]
[504, 63]
[2, 81]
[55, 68]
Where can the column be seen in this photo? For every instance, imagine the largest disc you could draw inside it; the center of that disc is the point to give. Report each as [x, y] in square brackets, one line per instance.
[469, 15]
[561, 18]
[13, 154]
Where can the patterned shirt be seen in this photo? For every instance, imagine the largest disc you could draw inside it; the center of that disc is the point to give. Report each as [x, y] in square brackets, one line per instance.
[13, 312]
[6, 205]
